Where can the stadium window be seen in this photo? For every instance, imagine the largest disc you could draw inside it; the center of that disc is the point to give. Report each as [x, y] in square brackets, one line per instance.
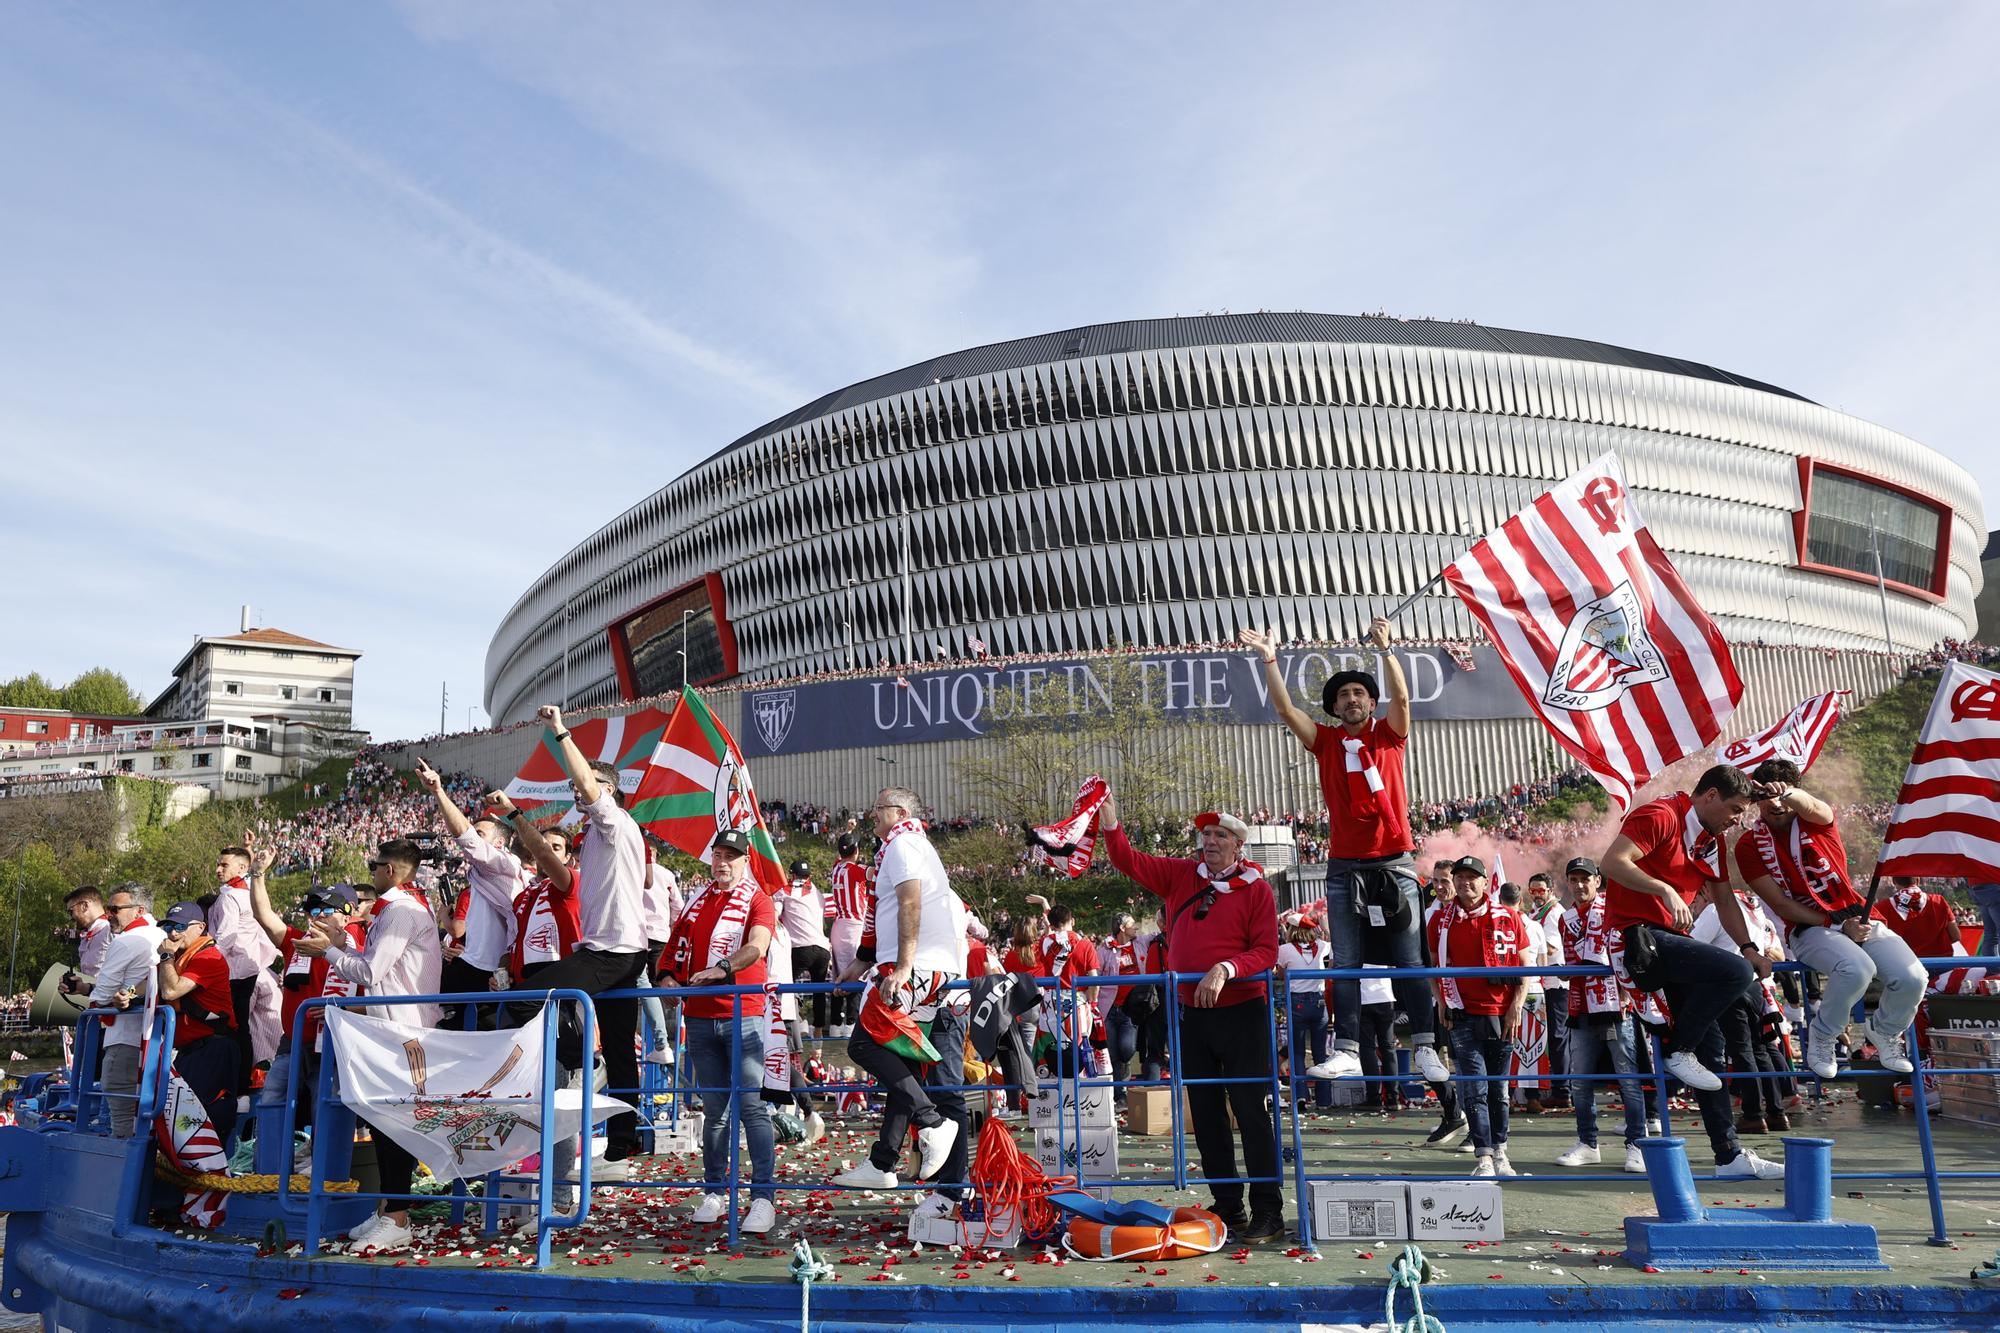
[1849, 518]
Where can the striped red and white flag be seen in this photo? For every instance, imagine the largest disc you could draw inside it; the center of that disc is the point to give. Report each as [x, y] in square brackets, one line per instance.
[1947, 818]
[1599, 631]
[1798, 736]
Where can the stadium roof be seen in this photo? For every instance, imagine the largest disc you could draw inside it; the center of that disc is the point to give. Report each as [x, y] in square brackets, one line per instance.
[1265, 326]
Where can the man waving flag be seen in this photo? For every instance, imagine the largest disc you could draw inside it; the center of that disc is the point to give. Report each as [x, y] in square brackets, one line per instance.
[542, 788]
[1599, 631]
[696, 785]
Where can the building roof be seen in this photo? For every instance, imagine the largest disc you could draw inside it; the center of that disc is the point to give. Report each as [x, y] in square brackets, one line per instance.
[277, 638]
[1265, 326]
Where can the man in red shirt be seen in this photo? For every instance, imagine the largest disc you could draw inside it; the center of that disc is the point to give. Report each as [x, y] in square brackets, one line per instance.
[194, 978]
[1371, 875]
[1482, 1015]
[1221, 924]
[1665, 852]
[1927, 927]
[546, 921]
[1793, 858]
[722, 939]
[1063, 955]
[303, 978]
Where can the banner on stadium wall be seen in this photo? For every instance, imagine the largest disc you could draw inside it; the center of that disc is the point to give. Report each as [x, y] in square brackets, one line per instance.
[968, 700]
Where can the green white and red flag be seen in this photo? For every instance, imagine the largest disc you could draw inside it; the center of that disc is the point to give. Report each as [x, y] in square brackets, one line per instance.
[696, 785]
[542, 787]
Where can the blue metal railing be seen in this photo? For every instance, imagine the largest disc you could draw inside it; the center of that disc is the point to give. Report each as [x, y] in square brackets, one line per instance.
[84, 1097]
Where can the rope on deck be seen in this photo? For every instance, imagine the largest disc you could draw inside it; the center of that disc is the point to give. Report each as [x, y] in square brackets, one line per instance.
[1410, 1270]
[805, 1271]
[251, 1184]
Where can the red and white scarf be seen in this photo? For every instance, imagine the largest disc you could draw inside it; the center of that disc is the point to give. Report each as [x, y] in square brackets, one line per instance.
[1820, 880]
[1364, 784]
[1495, 950]
[896, 830]
[716, 917]
[1702, 847]
[1587, 940]
[1068, 845]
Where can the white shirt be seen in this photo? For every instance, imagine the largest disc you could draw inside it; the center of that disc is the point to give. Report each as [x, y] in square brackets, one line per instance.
[129, 961]
[1534, 949]
[496, 877]
[90, 949]
[1291, 957]
[242, 941]
[803, 910]
[660, 903]
[611, 870]
[941, 916]
[1378, 990]
[402, 957]
[1708, 926]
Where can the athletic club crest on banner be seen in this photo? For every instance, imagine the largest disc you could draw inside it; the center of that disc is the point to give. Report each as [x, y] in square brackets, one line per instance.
[1605, 651]
[773, 714]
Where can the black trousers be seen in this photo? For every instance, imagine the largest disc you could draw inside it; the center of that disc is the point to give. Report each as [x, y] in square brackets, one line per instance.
[1743, 1035]
[920, 1097]
[211, 1068]
[395, 1167]
[592, 972]
[814, 963]
[1232, 1042]
[461, 976]
[1378, 1053]
[242, 991]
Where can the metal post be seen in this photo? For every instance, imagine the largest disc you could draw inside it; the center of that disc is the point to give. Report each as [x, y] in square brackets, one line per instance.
[684, 648]
[1660, 1073]
[1881, 586]
[1177, 1091]
[733, 1118]
[444, 698]
[1931, 1187]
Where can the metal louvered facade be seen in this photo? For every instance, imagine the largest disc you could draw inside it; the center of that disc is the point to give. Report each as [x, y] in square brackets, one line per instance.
[1167, 482]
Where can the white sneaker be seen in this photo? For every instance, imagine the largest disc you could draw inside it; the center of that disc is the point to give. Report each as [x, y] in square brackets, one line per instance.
[359, 1235]
[1820, 1056]
[663, 1055]
[710, 1209]
[1484, 1167]
[933, 1146]
[1683, 1066]
[1501, 1166]
[815, 1127]
[1654, 1129]
[1341, 1064]
[1890, 1052]
[1581, 1154]
[391, 1235]
[1635, 1161]
[606, 1173]
[867, 1176]
[1430, 1068]
[1747, 1165]
[760, 1219]
[934, 1205]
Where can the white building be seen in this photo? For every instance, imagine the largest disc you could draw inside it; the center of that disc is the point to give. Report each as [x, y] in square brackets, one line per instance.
[261, 673]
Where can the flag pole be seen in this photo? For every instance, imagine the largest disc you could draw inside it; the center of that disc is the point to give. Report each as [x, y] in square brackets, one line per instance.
[1411, 600]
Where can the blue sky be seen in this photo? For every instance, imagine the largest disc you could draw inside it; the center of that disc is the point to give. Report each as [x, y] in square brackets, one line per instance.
[363, 314]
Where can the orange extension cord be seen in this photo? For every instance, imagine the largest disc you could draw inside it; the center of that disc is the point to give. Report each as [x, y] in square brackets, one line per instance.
[1006, 1177]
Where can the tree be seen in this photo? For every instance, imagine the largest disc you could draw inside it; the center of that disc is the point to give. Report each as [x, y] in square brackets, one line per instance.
[102, 690]
[29, 691]
[1106, 716]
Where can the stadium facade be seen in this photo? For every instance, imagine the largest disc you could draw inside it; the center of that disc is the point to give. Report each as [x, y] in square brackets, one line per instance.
[1164, 483]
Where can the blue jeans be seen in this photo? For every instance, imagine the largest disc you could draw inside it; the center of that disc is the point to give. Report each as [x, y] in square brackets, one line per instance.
[1477, 1048]
[1588, 1042]
[1308, 1030]
[723, 1099]
[1405, 947]
[1987, 896]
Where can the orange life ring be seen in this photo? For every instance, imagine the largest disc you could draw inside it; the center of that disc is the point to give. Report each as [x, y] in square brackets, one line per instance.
[1191, 1232]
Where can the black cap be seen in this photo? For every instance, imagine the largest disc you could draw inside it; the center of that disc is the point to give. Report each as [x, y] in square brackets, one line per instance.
[341, 896]
[847, 845]
[184, 914]
[1581, 865]
[1339, 678]
[801, 869]
[733, 840]
[1468, 865]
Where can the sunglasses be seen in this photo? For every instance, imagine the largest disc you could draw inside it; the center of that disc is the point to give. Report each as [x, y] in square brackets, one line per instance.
[1201, 908]
[123, 907]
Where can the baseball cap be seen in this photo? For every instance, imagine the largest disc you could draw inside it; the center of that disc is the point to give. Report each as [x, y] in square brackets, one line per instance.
[802, 868]
[1230, 823]
[184, 914]
[1468, 865]
[1581, 865]
[341, 896]
[733, 840]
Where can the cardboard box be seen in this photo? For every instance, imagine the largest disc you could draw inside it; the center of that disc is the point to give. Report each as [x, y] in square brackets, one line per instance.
[967, 1226]
[1091, 1156]
[1359, 1210]
[1088, 1106]
[1456, 1210]
[1149, 1112]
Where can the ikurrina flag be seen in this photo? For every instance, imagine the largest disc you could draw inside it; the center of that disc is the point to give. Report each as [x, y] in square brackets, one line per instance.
[1599, 631]
[542, 786]
[1798, 736]
[1947, 819]
[696, 785]
[462, 1103]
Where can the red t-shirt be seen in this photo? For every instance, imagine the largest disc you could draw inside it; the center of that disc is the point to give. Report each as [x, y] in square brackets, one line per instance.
[687, 953]
[1353, 838]
[1019, 960]
[1080, 960]
[1492, 938]
[1930, 930]
[975, 958]
[318, 980]
[547, 923]
[1816, 875]
[209, 971]
[1128, 962]
[1659, 830]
